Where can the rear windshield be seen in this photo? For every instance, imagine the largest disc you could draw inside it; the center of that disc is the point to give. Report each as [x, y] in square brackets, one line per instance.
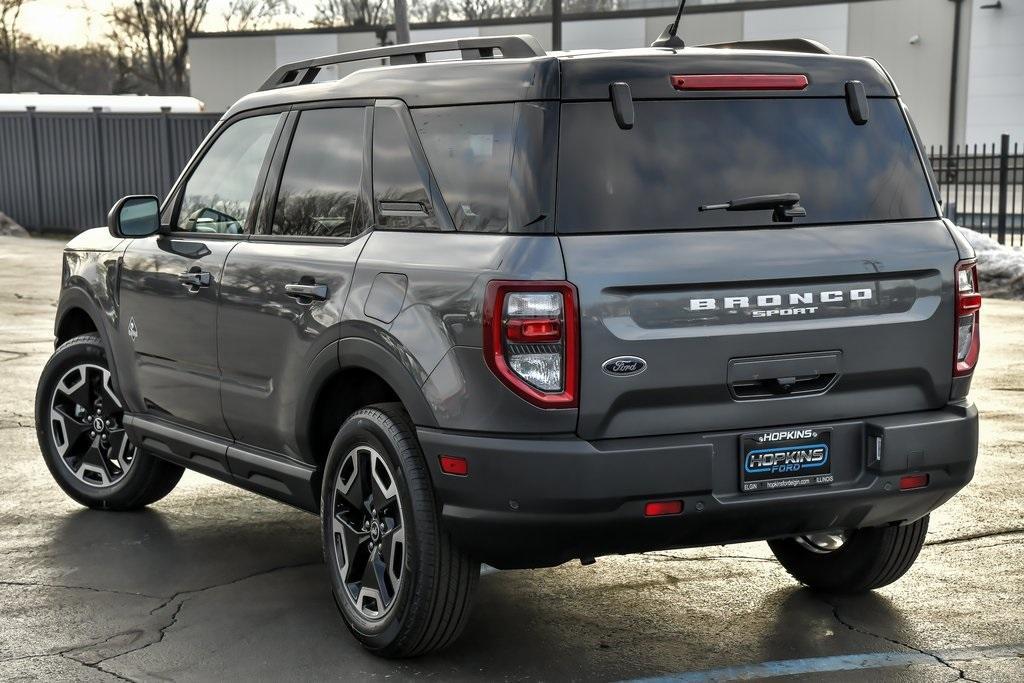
[684, 154]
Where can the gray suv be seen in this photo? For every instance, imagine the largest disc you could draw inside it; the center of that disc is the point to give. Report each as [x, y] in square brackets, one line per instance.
[522, 308]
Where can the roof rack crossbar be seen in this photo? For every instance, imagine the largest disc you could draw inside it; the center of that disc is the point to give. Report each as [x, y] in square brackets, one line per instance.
[484, 47]
[780, 45]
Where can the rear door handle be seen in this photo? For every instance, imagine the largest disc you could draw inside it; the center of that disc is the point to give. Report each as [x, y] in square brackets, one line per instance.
[304, 291]
[194, 280]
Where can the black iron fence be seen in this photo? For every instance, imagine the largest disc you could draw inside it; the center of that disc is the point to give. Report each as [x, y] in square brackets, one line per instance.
[982, 187]
[63, 172]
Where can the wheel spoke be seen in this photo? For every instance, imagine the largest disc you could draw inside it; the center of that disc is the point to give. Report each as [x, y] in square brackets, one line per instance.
[120, 447]
[73, 427]
[374, 579]
[111, 405]
[75, 385]
[353, 542]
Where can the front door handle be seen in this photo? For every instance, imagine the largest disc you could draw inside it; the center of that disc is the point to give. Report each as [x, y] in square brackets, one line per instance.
[308, 292]
[194, 280]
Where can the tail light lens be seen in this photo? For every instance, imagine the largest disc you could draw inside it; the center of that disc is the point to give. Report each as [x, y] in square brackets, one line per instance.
[967, 338]
[531, 340]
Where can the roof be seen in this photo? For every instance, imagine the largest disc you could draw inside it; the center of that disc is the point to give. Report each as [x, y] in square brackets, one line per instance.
[577, 75]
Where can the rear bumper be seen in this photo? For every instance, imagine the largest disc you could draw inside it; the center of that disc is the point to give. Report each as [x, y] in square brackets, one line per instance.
[532, 502]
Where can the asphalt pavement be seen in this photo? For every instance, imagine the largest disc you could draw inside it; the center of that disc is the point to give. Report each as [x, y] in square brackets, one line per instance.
[214, 583]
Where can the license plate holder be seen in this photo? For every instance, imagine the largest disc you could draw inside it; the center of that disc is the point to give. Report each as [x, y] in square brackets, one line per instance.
[780, 459]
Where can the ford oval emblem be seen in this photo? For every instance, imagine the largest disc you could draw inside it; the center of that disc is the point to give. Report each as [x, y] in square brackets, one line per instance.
[624, 366]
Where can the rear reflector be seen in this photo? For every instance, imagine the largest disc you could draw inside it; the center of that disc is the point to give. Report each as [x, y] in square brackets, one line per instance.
[913, 481]
[663, 507]
[453, 465]
[739, 81]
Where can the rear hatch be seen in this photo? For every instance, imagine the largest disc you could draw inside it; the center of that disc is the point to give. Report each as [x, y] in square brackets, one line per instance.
[728, 320]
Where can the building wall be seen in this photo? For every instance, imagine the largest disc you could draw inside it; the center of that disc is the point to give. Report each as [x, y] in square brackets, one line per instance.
[912, 39]
[825, 23]
[224, 69]
[995, 82]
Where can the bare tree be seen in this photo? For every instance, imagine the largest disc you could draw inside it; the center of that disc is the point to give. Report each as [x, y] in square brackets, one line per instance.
[352, 13]
[249, 15]
[10, 11]
[151, 39]
[496, 9]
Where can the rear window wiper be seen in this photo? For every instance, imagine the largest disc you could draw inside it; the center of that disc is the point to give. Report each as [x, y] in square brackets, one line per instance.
[785, 207]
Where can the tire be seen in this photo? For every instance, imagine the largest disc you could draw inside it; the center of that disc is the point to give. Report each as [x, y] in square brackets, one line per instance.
[376, 478]
[868, 558]
[100, 478]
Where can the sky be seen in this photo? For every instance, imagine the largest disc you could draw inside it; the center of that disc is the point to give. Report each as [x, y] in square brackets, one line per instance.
[65, 22]
[77, 22]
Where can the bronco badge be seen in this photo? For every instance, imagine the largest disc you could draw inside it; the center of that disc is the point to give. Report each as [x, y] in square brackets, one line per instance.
[624, 366]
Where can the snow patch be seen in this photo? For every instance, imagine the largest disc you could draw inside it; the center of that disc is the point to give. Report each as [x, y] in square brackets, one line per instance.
[1000, 268]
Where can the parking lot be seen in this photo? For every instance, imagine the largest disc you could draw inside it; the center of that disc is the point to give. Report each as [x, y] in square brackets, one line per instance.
[216, 583]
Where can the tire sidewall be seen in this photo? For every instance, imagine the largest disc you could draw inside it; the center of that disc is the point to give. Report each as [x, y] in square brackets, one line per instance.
[368, 427]
[78, 351]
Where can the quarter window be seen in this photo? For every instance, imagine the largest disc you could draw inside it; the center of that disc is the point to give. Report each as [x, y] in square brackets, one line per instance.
[218, 196]
[470, 152]
[319, 194]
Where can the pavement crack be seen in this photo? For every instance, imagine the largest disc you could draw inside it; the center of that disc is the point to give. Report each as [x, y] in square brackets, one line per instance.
[858, 629]
[39, 584]
[98, 667]
[143, 636]
[975, 537]
[665, 557]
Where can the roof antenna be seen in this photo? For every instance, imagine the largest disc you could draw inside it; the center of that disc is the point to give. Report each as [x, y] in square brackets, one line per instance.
[668, 37]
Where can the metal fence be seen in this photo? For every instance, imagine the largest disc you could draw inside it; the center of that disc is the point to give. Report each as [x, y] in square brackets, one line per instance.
[62, 172]
[982, 188]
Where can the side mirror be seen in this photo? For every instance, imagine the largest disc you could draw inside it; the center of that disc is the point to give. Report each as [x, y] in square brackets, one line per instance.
[134, 216]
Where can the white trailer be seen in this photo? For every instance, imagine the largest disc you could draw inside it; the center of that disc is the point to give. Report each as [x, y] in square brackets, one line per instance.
[108, 103]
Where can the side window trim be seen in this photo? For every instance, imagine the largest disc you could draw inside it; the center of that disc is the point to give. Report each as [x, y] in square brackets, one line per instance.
[412, 139]
[177, 193]
[263, 228]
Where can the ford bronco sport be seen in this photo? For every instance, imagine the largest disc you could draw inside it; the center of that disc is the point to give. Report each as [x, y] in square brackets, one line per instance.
[521, 308]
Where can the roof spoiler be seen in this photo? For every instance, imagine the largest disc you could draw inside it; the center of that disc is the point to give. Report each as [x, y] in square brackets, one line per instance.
[781, 45]
[484, 47]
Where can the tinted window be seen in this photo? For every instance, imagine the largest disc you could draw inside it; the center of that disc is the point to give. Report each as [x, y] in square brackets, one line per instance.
[399, 190]
[470, 153]
[683, 154]
[319, 191]
[218, 195]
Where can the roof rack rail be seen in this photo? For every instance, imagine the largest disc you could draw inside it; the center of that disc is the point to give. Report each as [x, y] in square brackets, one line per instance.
[780, 45]
[509, 47]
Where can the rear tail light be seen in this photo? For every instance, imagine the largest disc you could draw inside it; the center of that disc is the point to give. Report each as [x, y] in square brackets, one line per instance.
[967, 336]
[739, 81]
[531, 340]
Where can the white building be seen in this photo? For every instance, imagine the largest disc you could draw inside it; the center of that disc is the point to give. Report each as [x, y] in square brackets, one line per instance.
[969, 86]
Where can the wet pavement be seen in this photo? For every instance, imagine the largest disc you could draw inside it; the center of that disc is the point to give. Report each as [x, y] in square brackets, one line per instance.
[216, 583]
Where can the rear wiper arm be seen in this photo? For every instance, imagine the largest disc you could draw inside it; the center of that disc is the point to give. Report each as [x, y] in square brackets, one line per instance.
[785, 207]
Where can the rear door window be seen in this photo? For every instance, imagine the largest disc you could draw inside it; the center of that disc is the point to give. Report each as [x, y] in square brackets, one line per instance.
[319, 195]
[399, 187]
[684, 154]
[470, 152]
